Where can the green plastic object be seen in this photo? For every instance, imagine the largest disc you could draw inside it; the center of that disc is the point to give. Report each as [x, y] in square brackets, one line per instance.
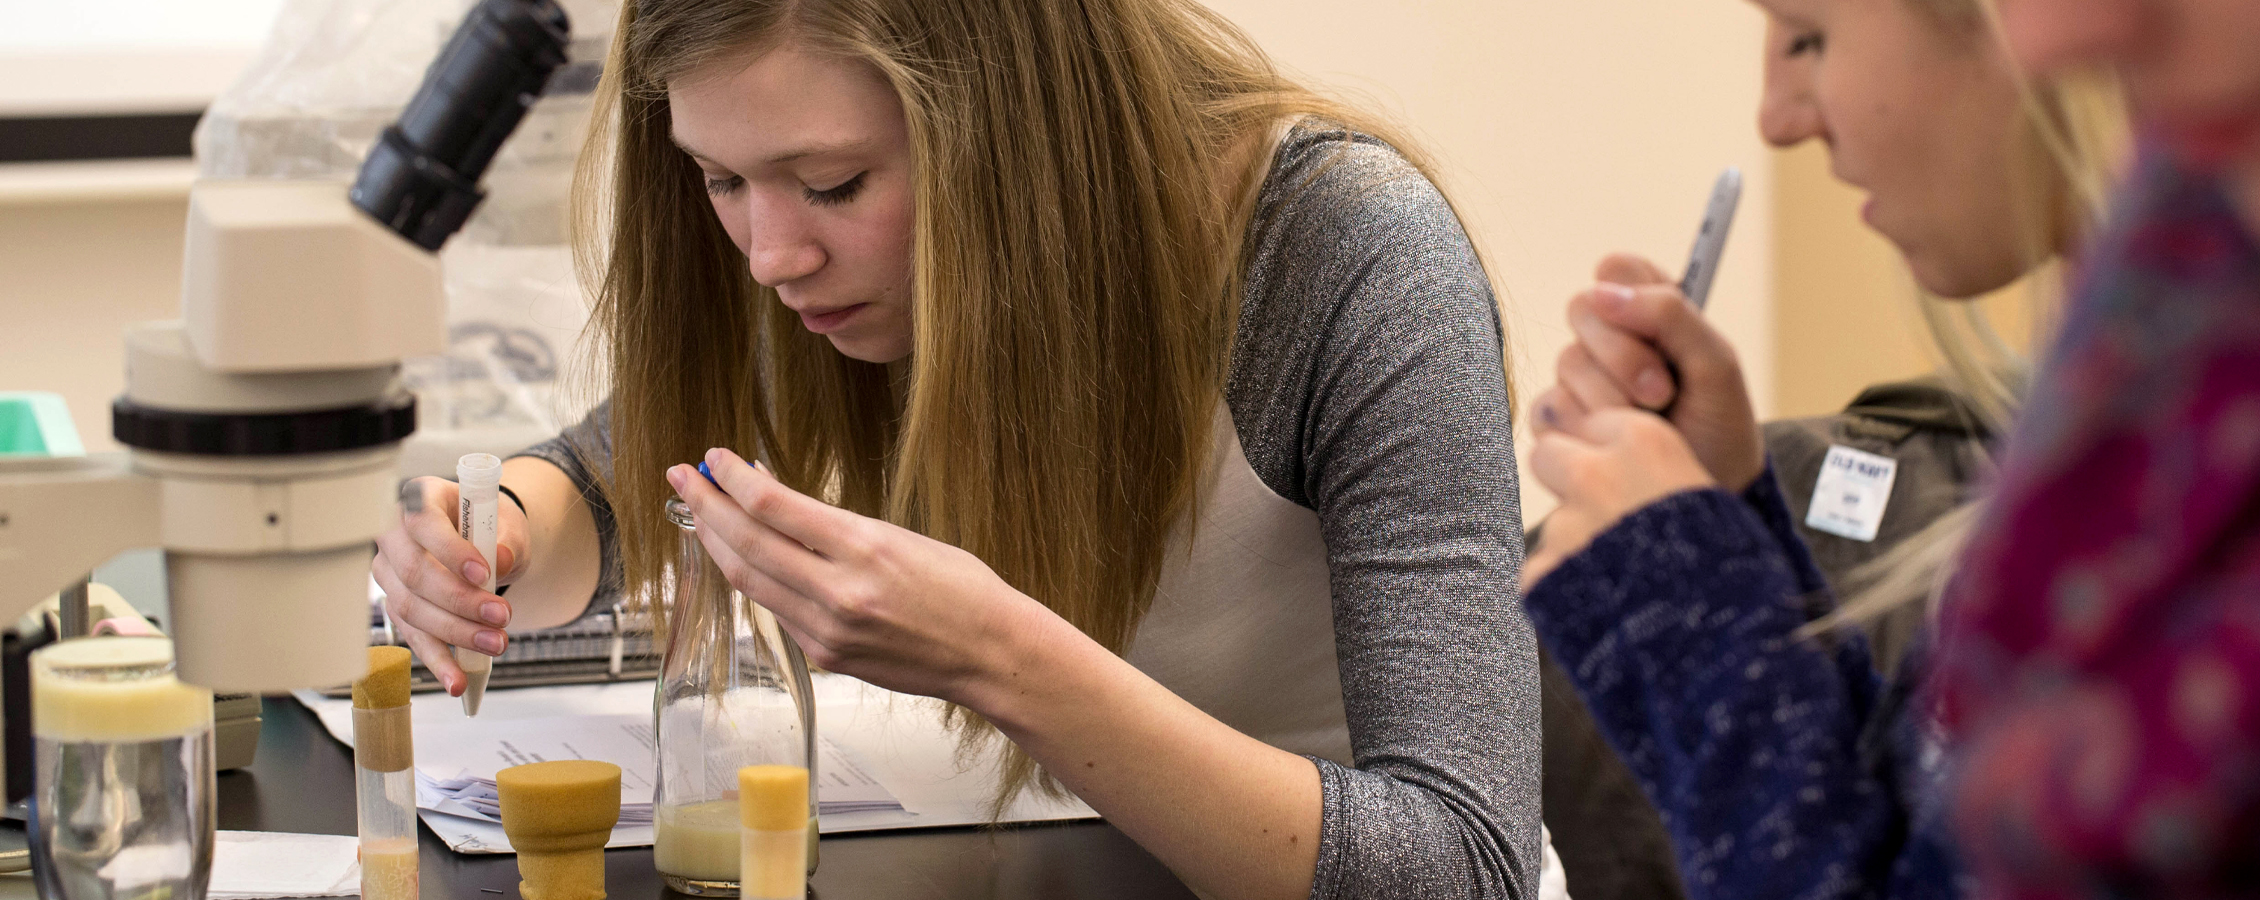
[36, 423]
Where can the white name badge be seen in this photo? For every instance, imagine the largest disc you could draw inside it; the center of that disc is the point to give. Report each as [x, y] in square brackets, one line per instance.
[1853, 489]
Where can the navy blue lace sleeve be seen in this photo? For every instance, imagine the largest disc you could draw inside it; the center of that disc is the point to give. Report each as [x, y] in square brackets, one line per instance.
[1679, 628]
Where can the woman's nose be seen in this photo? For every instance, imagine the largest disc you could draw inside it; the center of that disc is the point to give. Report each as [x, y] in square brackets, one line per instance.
[1789, 111]
[778, 252]
[1789, 119]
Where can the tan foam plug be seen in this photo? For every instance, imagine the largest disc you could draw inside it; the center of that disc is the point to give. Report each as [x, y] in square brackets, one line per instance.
[559, 814]
[774, 842]
[386, 684]
[382, 740]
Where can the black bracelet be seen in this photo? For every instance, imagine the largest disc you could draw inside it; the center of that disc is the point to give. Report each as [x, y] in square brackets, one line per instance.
[513, 495]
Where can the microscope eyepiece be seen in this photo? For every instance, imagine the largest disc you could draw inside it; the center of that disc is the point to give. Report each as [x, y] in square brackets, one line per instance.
[422, 178]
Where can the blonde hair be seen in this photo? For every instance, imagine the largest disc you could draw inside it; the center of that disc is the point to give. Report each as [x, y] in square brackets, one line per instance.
[1077, 265]
[2074, 142]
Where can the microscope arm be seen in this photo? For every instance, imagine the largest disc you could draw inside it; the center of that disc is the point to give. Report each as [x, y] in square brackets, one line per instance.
[62, 516]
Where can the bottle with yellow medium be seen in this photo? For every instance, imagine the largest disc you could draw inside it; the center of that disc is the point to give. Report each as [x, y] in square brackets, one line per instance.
[734, 691]
[384, 777]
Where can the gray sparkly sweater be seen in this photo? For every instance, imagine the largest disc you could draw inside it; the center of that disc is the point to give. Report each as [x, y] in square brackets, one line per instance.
[1368, 384]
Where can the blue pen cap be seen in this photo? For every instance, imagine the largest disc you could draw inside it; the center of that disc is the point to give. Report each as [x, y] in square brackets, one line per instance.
[709, 473]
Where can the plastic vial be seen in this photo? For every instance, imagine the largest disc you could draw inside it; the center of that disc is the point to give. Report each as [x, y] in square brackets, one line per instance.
[733, 692]
[478, 478]
[773, 845]
[384, 777]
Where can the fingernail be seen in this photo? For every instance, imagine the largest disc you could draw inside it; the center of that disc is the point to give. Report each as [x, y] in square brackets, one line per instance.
[1615, 295]
[1655, 387]
[490, 642]
[675, 476]
[760, 468]
[475, 572]
[496, 614]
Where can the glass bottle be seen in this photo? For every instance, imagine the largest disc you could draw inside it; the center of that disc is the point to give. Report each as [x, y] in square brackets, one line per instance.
[122, 803]
[733, 692]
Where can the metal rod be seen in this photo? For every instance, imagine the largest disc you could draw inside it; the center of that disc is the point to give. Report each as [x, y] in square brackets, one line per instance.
[75, 618]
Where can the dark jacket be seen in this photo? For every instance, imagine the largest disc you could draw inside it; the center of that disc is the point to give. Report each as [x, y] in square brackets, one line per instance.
[1612, 843]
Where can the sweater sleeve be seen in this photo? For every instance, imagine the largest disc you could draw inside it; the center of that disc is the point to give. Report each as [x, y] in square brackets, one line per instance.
[1369, 385]
[584, 453]
[1678, 626]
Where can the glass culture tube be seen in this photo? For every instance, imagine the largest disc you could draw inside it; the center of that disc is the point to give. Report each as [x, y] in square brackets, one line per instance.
[384, 777]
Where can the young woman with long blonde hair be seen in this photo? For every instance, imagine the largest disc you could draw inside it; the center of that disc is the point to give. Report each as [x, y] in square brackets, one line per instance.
[1672, 584]
[1105, 384]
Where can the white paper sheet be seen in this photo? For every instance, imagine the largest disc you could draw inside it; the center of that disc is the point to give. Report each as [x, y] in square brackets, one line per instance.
[459, 778]
[252, 865]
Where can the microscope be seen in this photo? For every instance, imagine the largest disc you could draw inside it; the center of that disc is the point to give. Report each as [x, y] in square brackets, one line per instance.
[264, 425]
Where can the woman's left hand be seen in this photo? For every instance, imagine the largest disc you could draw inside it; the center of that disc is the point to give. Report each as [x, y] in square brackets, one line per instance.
[862, 597]
[1603, 465]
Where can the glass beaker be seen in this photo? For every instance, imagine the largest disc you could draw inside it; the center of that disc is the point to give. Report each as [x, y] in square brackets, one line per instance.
[733, 692]
[122, 806]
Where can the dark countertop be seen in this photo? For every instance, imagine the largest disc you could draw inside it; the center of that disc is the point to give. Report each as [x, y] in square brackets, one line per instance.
[303, 782]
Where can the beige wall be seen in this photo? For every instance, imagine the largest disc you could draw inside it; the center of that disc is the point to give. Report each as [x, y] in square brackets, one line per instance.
[1844, 304]
[85, 250]
[1567, 130]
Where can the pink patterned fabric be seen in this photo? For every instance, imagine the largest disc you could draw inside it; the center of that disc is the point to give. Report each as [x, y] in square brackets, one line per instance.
[2100, 659]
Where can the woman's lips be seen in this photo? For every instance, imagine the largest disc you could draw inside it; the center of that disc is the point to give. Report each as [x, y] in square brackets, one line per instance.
[828, 322]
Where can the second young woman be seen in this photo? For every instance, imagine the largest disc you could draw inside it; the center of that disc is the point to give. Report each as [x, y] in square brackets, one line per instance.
[1106, 385]
[1673, 585]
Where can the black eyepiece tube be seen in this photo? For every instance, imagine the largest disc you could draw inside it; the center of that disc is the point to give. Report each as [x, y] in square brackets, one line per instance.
[422, 178]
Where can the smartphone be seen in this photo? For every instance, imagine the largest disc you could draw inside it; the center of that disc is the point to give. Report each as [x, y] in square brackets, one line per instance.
[1710, 240]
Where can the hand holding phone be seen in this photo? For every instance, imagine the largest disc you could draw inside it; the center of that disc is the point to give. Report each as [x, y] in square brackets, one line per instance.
[1710, 239]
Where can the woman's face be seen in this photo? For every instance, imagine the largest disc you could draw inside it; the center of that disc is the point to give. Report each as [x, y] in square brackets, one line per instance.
[2191, 67]
[1922, 115]
[807, 159]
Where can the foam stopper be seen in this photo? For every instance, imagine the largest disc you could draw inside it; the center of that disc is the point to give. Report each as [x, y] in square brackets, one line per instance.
[386, 684]
[773, 798]
[559, 815]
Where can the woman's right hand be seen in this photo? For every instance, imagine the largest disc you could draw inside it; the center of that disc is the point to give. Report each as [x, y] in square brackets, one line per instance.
[1633, 331]
[431, 576]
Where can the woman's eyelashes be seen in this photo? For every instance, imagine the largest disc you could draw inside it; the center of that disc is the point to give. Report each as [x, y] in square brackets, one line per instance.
[1810, 42]
[836, 194]
[723, 186]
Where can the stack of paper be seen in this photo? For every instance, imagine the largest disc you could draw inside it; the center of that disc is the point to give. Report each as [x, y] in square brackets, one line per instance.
[929, 780]
[456, 776]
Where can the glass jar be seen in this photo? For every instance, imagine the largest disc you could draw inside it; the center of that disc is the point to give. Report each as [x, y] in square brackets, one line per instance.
[733, 692]
[122, 802]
